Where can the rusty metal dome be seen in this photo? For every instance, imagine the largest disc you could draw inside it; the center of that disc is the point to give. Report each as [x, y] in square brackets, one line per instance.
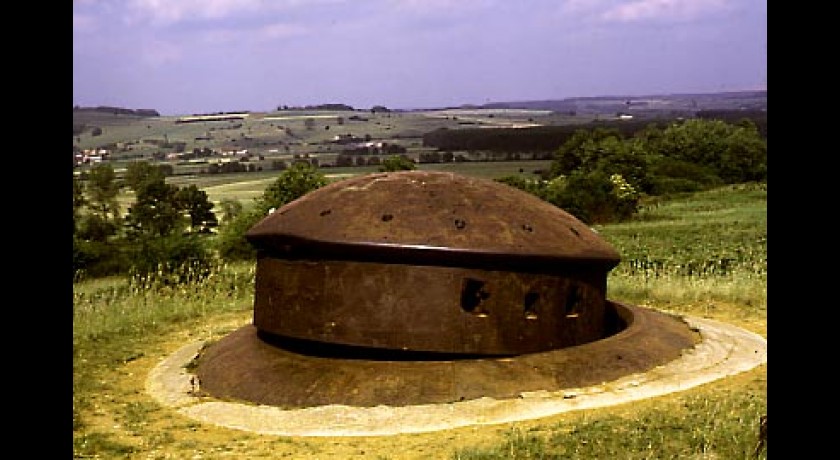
[428, 217]
[429, 287]
[430, 262]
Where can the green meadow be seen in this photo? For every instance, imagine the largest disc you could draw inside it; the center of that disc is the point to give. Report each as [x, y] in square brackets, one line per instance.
[702, 254]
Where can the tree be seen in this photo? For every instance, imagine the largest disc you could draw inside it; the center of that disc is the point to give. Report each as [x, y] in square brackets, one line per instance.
[79, 200]
[344, 159]
[156, 211]
[745, 156]
[580, 150]
[294, 182]
[164, 228]
[596, 197]
[103, 190]
[170, 259]
[198, 207]
[734, 152]
[397, 163]
[102, 220]
[140, 173]
[683, 156]
[96, 218]
[230, 209]
[623, 157]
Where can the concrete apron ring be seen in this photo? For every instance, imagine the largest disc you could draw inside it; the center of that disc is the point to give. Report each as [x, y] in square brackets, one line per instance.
[724, 350]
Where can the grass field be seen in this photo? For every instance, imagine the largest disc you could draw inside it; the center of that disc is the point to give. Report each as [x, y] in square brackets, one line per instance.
[281, 135]
[701, 254]
[245, 187]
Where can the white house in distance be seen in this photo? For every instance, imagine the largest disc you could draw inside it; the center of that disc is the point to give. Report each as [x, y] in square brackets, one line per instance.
[90, 156]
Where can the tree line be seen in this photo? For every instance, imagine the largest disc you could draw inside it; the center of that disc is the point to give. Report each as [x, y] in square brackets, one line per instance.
[548, 138]
[601, 174]
[172, 234]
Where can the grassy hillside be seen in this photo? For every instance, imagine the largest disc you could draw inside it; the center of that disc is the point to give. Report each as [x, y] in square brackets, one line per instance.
[259, 140]
[701, 254]
[245, 187]
[274, 136]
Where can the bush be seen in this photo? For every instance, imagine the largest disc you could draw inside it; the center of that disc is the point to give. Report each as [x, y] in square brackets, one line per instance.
[97, 259]
[172, 259]
[691, 155]
[591, 197]
[734, 152]
[661, 186]
[671, 175]
[231, 244]
[294, 182]
[397, 163]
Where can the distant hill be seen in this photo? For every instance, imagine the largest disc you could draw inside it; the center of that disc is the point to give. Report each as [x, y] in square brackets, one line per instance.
[673, 104]
[92, 119]
[102, 109]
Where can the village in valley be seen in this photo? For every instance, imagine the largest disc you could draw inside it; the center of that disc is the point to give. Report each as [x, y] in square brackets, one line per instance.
[337, 135]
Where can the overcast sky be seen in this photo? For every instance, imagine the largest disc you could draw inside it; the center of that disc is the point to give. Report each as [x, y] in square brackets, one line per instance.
[202, 56]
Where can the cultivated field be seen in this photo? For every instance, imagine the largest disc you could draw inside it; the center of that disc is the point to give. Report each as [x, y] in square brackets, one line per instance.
[282, 135]
[245, 187]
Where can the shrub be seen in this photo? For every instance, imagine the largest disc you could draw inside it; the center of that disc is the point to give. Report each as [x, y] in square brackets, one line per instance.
[294, 182]
[672, 175]
[596, 198]
[397, 163]
[593, 197]
[171, 259]
[97, 259]
[231, 243]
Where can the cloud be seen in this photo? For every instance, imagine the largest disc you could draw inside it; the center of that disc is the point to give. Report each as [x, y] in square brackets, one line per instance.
[280, 30]
[574, 6]
[440, 6]
[158, 53]
[167, 12]
[269, 32]
[680, 10]
[83, 23]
